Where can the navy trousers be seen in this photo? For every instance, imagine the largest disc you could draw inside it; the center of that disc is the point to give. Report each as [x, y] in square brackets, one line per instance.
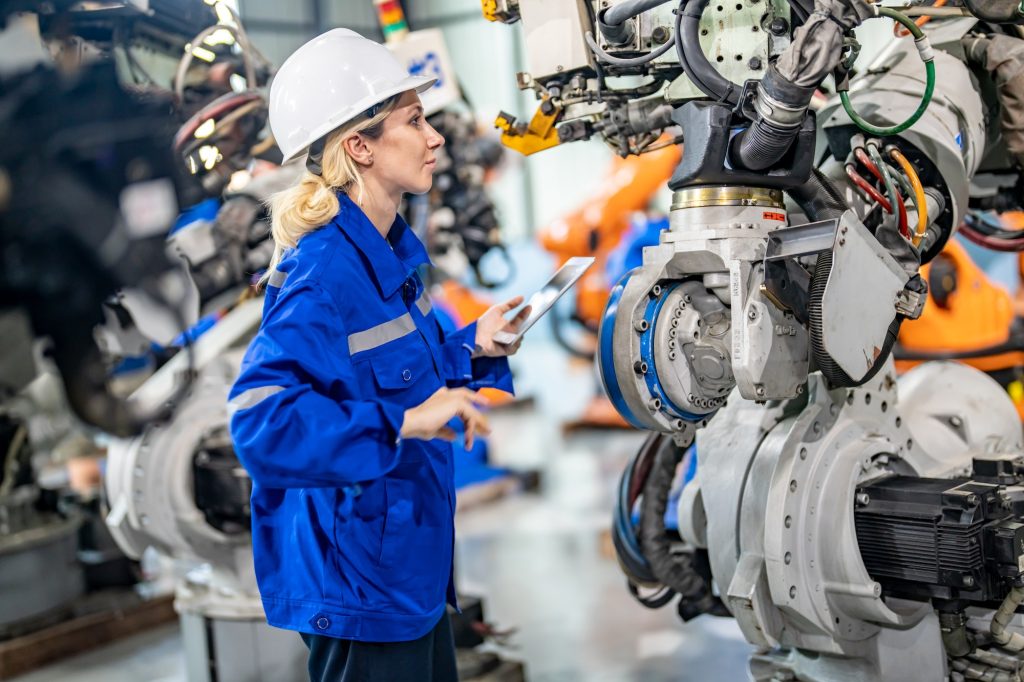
[431, 658]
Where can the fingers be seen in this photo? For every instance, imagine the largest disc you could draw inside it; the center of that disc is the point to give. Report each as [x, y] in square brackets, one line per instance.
[520, 317]
[472, 396]
[446, 433]
[509, 304]
[474, 420]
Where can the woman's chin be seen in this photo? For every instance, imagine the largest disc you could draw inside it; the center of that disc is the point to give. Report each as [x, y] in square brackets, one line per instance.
[421, 187]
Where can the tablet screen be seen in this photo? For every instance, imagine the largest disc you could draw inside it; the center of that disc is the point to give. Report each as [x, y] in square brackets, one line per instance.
[542, 301]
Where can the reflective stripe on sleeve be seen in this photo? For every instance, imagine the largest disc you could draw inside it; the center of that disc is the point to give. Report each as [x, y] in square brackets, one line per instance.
[277, 278]
[423, 303]
[381, 334]
[252, 397]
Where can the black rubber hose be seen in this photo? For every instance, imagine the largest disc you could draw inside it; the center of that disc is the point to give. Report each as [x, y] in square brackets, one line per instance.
[625, 11]
[627, 548]
[675, 571]
[766, 141]
[762, 145]
[819, 198]
[697, 67]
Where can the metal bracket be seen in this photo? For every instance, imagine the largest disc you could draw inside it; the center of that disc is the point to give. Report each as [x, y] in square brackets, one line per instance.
[538, 135]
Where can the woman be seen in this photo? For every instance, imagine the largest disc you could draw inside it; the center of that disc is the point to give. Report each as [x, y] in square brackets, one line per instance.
[341, 413]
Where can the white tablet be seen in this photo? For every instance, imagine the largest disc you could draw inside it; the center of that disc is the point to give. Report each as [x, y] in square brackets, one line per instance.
[541, 302]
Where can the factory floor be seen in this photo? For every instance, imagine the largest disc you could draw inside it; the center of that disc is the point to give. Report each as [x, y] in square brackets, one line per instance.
[538, 559]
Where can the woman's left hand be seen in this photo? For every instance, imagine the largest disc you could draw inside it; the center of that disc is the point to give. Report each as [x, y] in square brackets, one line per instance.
[494, 321]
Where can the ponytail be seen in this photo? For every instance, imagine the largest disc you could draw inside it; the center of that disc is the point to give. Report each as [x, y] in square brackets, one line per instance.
[309, 205]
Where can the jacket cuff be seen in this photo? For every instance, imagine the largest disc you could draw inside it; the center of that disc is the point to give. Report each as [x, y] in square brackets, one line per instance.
[457, 351]
[465, 370]
[392, 418]
[492, 373]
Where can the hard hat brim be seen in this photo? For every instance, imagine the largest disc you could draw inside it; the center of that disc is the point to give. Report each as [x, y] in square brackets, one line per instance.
[417, 83]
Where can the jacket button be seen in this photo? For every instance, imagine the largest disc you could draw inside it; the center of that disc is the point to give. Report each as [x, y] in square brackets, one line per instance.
[406, 375]
[323, 623]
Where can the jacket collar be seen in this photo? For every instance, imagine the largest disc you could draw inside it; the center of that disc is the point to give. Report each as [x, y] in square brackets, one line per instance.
[390, 265]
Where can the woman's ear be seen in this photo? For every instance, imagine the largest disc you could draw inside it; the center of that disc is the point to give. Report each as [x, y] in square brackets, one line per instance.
[357, 149]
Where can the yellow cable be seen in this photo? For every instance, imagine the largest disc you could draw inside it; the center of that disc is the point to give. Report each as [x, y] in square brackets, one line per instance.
[919, 199]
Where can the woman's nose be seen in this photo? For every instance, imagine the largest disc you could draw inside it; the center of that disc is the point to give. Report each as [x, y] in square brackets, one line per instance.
[434, 139]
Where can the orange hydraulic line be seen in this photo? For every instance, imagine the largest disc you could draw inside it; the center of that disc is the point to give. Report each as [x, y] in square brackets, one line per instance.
[919, 199]
[901, 31]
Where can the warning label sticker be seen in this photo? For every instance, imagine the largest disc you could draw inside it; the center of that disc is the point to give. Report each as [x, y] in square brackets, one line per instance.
[772, 215]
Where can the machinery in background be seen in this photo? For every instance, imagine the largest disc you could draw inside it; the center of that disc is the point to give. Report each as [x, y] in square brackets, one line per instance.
[967, 318]
[88, 186]
[857, 526]
[597, 227]
[456, 220]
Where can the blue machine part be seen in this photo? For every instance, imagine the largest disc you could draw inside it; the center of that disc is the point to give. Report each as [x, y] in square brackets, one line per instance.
[606, 362]
[647, 355]
[687, 472]
[204, 211]
[643, 231]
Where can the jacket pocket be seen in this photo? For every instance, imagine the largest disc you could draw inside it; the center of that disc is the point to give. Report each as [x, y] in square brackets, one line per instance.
[417, 523]
[403, 367]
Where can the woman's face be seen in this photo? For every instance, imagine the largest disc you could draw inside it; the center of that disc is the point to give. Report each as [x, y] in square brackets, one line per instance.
[403, 156]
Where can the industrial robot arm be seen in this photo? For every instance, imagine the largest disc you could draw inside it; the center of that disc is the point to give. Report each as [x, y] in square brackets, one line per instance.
[764, 319]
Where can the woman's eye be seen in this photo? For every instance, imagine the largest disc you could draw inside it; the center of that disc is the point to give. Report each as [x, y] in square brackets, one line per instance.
[416, 121]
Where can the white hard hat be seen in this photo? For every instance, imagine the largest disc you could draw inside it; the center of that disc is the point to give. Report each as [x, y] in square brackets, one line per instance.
[328, 82]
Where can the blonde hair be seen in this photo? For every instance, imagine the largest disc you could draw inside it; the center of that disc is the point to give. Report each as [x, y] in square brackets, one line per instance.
[310, 204]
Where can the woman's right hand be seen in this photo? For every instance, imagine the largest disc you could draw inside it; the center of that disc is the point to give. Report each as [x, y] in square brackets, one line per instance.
[430, 418]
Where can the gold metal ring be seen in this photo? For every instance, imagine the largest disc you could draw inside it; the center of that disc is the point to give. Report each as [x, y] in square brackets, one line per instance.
[726, 195]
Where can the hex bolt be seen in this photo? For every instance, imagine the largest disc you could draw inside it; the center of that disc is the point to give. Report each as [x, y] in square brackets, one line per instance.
[754, 64]
[779, 26]
[659, 35]
[863, 499]
[641, 326]
[655, 404]
[655, 291]
[640, 367]
[671, 343]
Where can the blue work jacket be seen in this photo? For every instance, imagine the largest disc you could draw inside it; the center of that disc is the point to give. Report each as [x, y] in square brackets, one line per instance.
[352, 526]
